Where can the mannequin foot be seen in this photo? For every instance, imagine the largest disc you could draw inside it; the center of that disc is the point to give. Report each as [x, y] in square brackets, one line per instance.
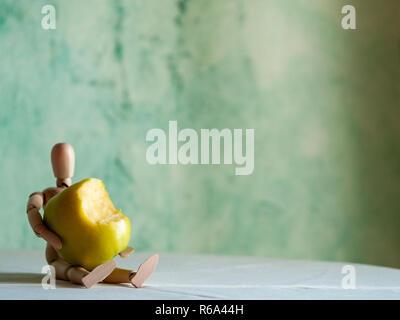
[98, 274]
[144, 271]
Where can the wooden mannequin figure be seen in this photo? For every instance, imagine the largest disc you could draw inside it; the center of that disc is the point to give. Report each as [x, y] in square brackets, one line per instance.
[63, 162]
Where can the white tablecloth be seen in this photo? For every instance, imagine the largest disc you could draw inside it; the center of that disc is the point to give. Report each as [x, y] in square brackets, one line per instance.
[181, 276]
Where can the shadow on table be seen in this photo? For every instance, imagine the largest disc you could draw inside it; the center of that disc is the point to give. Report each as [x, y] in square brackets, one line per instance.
[36, 278]
[31, 278]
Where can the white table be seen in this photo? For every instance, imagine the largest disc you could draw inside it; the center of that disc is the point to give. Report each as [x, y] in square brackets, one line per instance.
[206, 277]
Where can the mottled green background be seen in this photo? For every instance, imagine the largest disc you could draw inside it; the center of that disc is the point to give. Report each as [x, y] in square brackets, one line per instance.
[324, 103]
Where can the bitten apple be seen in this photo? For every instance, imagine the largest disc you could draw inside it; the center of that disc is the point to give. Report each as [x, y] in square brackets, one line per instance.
[92, 231]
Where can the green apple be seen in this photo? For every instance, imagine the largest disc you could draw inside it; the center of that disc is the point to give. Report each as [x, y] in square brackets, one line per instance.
[92, 231]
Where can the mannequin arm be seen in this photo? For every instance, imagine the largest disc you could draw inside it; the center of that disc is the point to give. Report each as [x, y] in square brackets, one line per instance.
[35, 202]
[126, 252]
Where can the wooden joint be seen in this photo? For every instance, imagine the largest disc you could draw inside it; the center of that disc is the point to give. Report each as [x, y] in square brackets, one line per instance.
[63, 183]
[38, 229]
[34, 193]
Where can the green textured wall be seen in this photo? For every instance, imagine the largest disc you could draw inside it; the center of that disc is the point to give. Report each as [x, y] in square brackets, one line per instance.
[324, 103]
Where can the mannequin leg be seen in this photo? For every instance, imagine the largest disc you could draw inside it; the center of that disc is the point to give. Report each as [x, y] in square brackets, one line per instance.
[79, 275]
[119, 276]
[76, 274]
[136, 278]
